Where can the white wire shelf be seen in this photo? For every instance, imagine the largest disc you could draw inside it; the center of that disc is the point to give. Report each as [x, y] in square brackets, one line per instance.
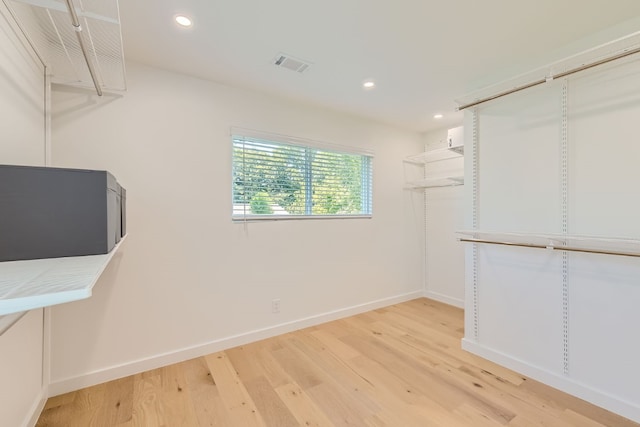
[449, 173]
[434, 156]
[32, 284]
[442, 181]
[48, 25]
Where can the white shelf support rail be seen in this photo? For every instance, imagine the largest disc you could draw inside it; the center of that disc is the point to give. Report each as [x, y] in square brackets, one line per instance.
[564, 214]
[475, 146]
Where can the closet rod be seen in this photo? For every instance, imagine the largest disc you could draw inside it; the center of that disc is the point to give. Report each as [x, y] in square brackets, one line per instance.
[557, 76]
[555, 248]
[78, 29]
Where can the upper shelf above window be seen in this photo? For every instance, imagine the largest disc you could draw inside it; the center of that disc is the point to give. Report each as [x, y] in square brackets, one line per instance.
[48, 25]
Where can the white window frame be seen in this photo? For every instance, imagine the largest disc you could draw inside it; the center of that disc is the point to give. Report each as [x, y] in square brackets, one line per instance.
[308, 145]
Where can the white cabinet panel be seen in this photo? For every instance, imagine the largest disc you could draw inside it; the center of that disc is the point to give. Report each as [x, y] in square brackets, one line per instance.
[519, 166]
[604, 349]
[520, 300]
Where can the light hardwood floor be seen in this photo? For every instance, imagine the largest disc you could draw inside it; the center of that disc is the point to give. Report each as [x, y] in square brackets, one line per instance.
[399, 366]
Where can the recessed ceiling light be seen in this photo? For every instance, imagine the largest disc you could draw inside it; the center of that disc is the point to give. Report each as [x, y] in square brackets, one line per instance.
[369, 84]
[438, 116]
[184, 21]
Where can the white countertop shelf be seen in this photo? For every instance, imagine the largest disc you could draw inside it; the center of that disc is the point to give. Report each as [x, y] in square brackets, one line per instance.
[27, 285]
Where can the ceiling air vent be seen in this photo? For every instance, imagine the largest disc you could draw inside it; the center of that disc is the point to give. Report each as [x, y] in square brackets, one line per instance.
[293, 64]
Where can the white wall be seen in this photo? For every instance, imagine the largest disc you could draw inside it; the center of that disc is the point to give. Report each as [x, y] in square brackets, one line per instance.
[188, 280]
[21, 99]
[569, 320]
[22, 392]
[444, 215]
[22, 141]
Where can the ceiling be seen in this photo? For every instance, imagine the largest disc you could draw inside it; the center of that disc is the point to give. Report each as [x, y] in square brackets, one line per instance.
[422, 54]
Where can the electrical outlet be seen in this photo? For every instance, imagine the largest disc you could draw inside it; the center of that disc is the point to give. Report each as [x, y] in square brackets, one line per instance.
[275, 306]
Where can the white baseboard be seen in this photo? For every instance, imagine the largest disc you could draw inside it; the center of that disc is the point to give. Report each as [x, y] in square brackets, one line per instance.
[36, 408]
[561, 382]
[114, 372]
[444, 298]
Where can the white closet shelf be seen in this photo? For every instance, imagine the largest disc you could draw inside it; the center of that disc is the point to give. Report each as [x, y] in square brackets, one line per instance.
[32, 284]
[438, 178]
[433, 156]
[49, 26]
[435, 182]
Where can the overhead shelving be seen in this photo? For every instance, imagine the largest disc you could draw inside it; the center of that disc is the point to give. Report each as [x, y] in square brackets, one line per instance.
[437, 177]
[82, 48]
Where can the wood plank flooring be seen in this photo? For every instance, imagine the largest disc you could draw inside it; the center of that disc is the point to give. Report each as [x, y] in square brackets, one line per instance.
[400, 366]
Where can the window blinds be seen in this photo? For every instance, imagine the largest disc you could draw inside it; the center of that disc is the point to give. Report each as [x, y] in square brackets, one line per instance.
[277, 180]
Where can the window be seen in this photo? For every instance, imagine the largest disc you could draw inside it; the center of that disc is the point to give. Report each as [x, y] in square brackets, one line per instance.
[286, 180]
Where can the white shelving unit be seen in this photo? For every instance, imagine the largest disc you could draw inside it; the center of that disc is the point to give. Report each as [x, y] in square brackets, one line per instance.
[49, 27]
[434, 156]
[27, 285]
[436, 177]
[444, 181]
